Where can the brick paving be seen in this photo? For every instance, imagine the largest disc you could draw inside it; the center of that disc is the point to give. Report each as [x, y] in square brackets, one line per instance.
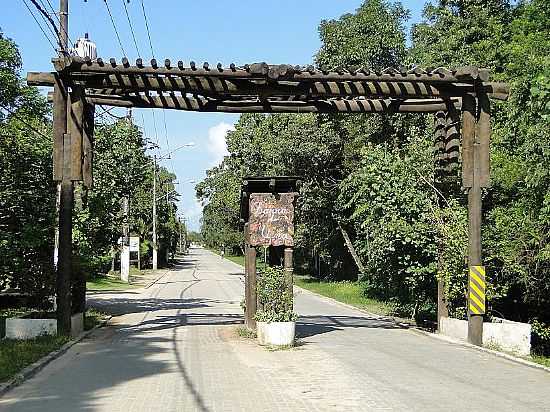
[173, 347]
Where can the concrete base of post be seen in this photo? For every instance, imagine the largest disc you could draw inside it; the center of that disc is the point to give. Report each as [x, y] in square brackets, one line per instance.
[125, 264]
[155, 259]
[77, 324]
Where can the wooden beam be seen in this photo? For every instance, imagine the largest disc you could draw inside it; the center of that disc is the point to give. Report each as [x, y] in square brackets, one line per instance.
[209, 86]
[201, 104]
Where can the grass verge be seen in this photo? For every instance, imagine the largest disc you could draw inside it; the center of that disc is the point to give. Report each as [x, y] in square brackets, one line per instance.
[350, 293]
[107, 283]
[17, 354]
[541, 360]
[244, 332]
[239, 260]
[93, 318]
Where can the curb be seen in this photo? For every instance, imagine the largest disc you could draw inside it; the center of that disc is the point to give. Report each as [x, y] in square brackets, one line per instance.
[504, 355]
[37, 366]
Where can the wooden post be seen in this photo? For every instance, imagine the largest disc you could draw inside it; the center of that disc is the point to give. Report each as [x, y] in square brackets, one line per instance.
[62, 173]
[471, 180]
[440, 160]
[246, 276]
[289, 269]
[251, 304]
[75, 129]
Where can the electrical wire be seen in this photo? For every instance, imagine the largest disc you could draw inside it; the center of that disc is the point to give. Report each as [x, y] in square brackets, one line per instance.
[147, 27]
[131, 27]
[39, 25]
[108, 112]
[30, 127]
[153, 55]
[50, 24]
[58, 20]
[155, 128]
[114, 27]
[167, 143]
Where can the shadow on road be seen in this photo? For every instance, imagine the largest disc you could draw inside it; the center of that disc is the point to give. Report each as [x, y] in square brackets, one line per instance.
[318, 324]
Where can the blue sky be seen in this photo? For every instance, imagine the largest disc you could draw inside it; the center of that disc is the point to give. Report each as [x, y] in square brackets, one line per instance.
[243, 31]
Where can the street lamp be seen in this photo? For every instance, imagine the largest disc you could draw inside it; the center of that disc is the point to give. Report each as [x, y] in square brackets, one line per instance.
[155, 159]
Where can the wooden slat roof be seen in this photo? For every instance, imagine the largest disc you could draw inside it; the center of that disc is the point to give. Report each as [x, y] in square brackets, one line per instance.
[260, 87]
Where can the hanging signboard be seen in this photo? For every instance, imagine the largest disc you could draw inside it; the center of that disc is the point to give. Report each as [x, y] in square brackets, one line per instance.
[271, 221]
[134, 243]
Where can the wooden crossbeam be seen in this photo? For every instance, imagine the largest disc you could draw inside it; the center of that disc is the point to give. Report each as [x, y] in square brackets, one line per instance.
[118, 84]
[203, 104]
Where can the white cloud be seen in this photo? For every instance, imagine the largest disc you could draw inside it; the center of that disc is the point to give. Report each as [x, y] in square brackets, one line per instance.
[193, 215]
[216, 141]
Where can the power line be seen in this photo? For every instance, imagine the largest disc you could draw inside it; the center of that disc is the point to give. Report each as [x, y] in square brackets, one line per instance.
[58, 19]
[167, 143]
[155, 128]
[14, 114]
[39, 25]
[131, 28]
[114, 26]
[147, 27]
[47, 18]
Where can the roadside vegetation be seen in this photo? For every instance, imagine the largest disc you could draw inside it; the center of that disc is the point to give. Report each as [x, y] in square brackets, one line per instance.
[365, 177]
[352, 293]
[18, 354]
[370, 177]
[107, 283]
[122, 168]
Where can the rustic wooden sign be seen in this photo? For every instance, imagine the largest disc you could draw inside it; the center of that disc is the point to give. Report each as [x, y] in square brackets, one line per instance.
[271, 220]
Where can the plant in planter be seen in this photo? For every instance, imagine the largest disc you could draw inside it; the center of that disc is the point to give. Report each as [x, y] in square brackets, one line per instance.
[276, 320]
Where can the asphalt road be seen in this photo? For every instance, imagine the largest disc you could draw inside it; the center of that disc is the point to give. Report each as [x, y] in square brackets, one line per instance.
[173, 347]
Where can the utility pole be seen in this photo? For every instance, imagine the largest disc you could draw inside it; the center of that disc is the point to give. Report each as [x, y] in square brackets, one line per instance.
[62, 173]
[125, 244]
[125, 253]
[155, 245]
[181, 243]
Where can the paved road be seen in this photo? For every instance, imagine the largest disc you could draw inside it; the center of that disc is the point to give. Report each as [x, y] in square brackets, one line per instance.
[173, 347]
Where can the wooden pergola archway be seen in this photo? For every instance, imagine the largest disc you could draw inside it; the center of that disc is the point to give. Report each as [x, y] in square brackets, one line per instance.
[452, 95]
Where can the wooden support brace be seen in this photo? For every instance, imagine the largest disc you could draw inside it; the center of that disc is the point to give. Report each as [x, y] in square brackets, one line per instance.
[484, 140]
[468, 140]
[75, 127]
[252, 298]
[289, 269]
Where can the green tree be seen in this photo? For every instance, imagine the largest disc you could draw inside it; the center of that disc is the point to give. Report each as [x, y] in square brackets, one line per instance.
[27, 193]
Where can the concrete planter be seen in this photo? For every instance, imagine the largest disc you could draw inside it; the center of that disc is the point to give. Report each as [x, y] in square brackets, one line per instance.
[276, 333]
[17, 328]
[510, 336]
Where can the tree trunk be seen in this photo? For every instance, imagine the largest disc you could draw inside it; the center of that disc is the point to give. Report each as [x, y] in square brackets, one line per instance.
[351, 249]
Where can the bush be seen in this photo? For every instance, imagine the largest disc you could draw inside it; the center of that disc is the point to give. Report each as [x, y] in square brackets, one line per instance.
[274, 296]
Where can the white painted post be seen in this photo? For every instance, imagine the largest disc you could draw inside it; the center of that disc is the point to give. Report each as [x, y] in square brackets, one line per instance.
[125, 263]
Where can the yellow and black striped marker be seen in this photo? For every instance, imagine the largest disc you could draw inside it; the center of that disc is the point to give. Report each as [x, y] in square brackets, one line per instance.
[477, 290]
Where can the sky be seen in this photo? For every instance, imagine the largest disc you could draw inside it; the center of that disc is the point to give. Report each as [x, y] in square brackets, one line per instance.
[244, 31]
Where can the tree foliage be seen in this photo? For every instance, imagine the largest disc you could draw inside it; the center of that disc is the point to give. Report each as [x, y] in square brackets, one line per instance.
[373, 175]
[27, 193]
